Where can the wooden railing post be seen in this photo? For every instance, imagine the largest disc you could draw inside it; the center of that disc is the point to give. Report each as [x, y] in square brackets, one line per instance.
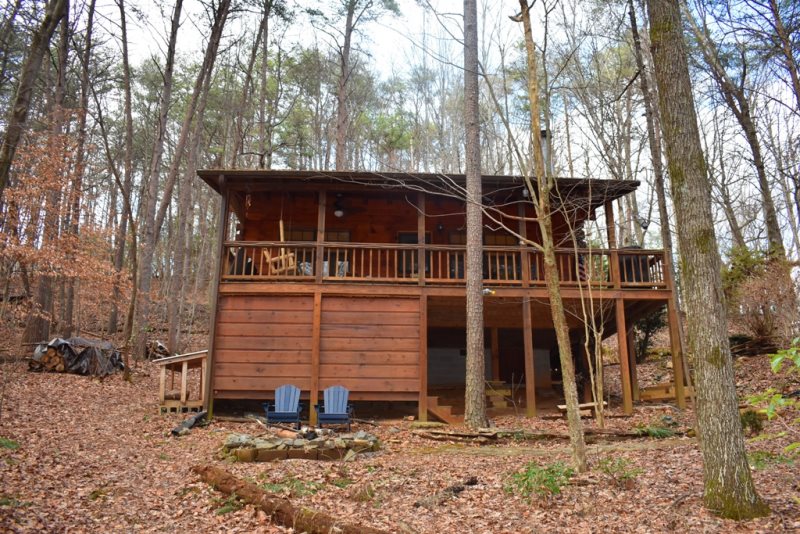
[421, 238]
[320, 236]
[612, 245]
[524, 255]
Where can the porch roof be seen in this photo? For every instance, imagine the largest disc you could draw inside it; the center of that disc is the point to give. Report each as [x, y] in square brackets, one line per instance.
[596, 190]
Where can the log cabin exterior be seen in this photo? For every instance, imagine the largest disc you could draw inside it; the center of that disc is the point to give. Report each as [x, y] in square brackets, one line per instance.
[357, 279]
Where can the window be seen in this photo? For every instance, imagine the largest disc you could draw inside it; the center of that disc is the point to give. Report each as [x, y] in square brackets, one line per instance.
[334, 236]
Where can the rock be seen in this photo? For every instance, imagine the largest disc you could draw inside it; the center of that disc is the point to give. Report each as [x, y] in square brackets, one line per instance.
[427, 424]
[299, 443]
[234, 441]
[393, 430]
[339, 443]
[361, 435]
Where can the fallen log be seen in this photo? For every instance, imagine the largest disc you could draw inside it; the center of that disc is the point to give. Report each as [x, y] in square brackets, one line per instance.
[279, 509]
[448, 493]
[486, 436]
[188, 423]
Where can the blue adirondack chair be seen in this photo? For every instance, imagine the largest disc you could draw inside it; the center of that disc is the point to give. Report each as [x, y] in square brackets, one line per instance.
[286, 408]
[335, 409]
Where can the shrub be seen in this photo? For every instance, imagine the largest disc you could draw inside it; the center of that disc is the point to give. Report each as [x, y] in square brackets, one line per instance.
[619, 470]
[644, 329]
[543, 481]
[763, 304]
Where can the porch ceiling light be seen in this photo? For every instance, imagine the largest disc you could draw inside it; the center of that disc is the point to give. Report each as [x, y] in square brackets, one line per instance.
[338, 210]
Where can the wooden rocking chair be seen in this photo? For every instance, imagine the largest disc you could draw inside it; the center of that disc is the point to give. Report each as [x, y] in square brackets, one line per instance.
[283, 263]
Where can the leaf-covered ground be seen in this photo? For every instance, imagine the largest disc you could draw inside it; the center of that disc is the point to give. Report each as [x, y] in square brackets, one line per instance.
[84, 455]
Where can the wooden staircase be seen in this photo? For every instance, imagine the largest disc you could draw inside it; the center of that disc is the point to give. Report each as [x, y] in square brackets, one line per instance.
[498, 394]
[447, 413]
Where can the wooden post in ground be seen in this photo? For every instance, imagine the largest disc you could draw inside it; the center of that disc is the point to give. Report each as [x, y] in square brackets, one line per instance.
[624, 359]
[423, 358]
[315, 357]
[530, 377]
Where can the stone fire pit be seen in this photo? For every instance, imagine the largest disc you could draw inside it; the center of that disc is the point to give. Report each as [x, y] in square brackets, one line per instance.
[308, 444]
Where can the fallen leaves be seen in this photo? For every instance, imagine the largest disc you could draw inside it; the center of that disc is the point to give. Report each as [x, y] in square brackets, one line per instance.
[94, 456]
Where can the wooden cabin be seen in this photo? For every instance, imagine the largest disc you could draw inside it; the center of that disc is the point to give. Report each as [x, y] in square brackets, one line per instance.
[357, 279]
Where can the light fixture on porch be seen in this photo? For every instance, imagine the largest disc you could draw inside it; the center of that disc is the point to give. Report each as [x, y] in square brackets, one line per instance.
[338, 210]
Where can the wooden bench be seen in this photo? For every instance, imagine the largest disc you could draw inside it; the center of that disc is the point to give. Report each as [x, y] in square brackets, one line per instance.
[586, 409]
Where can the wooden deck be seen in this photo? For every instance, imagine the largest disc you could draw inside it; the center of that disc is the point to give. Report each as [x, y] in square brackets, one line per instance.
[371, 263]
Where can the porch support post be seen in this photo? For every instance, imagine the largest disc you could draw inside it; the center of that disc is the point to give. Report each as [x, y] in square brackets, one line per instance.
[624, 359]
[421, 237]
[423, 357]
[611, 230]
[677, 356]
[320, 235]
[495, 354]
[530, 377]
[315, 336]
[208, 378]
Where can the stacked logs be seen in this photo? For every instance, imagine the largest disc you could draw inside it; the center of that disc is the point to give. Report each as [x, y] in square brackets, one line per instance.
[51, 360]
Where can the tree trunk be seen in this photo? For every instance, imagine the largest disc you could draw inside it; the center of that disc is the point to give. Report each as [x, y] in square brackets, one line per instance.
[122, 229]
[220, 16]
[68, 323]
[475, 394]
[729, 489]
[147, 214]
[543, 214]
[18, 116]
[238, 134]
[342, 115]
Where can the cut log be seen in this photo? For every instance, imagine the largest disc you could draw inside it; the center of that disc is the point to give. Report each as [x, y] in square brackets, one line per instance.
[448, 493]
[279, 509]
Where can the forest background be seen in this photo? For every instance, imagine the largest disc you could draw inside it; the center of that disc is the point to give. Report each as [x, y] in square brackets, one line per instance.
[131, 98]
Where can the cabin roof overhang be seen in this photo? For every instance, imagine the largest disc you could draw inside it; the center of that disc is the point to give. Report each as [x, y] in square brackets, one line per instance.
[594, 190]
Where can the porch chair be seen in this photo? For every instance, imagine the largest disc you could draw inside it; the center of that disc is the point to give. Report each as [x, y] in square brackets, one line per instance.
[286, 408]
[335, 409]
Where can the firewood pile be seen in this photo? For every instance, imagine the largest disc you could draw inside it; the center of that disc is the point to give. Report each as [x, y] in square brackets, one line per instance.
[156, 349]
[76, 355]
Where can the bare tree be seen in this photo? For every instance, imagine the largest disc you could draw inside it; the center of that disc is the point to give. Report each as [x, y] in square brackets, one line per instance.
[475, 394]
[540, 195]
[54, 11]
[729, 489]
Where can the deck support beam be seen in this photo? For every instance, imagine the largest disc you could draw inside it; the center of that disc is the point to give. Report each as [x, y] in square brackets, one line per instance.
[527, 339]
[624, 358]
[423, 357]
[316, 326]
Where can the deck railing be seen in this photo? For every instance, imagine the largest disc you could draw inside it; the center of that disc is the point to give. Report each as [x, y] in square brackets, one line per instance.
[441, 264]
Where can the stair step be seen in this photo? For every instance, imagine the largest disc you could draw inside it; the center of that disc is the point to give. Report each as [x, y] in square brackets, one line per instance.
[443, 411]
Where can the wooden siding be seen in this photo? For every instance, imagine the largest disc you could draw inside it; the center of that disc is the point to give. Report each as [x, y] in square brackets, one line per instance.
[370, 346]
[262, 342]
